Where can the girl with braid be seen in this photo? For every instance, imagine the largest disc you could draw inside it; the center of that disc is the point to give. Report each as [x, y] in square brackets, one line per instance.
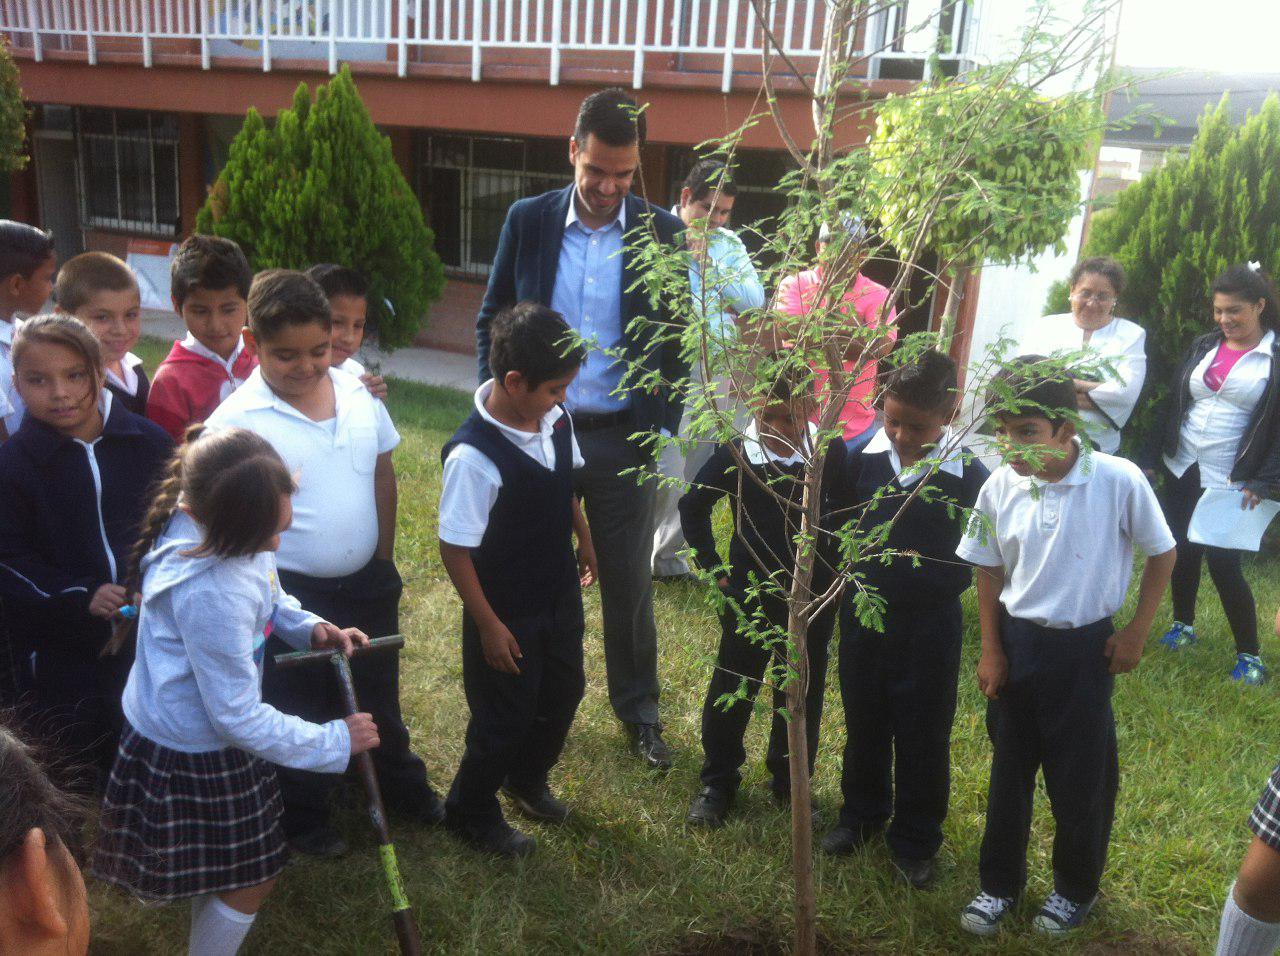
[192, 808]
[73, 487]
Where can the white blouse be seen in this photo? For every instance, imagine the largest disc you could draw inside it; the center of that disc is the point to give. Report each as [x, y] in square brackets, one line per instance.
[1216, 421]
[1120, 342]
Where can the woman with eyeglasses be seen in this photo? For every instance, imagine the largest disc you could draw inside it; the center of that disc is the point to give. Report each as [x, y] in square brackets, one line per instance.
[1220, 429]
[1105, 400]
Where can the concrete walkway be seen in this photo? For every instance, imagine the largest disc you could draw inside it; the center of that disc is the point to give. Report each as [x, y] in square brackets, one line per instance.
[428, 366]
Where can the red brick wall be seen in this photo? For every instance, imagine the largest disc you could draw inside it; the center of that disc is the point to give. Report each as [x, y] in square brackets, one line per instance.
[451, 324]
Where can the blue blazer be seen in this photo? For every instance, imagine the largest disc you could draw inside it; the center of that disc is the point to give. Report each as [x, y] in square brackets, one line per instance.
[524, 268]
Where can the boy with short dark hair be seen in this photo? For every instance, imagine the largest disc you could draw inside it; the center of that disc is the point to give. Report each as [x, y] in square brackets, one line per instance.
[348, 293]
[338, 554]
[508, 516]
[102, 292]
[1053, 535]
[27, 264]
[209, 282]
[776, 445]
[899, 683]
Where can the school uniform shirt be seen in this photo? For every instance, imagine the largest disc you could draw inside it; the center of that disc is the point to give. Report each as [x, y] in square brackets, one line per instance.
[132, 388]
[70, 509]
[196, 682]
[1067, 546]
[1123, 344]
[335, 515]
[471, 480]
[351, 367]
[11, 404]
[1217, 420]
[192, 381]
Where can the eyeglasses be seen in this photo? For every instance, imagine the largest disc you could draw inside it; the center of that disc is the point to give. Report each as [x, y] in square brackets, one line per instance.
[1087, 297]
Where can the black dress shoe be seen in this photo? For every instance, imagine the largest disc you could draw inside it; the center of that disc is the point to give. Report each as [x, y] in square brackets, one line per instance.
[427, 810]
[709, 807]
[843, 840]
[542, 806]
[501, 840]
[323, 843]
[918, 874]
[646, 740]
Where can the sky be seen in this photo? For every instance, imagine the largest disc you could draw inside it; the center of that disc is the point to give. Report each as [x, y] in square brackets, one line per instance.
[1225, 35]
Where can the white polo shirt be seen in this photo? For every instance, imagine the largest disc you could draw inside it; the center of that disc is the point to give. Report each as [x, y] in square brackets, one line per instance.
[335, 515]
[471, 481]
[1067, 546]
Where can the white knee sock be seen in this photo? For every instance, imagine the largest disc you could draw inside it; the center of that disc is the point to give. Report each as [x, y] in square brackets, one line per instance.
[216, 928]
[1241, 935]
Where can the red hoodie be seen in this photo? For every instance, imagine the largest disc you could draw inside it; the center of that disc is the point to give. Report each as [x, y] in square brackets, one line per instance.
[188, 387]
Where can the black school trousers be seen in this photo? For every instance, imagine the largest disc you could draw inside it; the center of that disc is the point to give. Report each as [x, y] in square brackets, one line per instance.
[519, 722]
[368, 599]
[1179, 498]
[1053, 713]
[899, 691]
[723, 730]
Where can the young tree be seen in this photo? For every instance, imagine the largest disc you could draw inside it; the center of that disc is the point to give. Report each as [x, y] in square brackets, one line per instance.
[13, 115]
[972, 167]
[1177, 228]
[321, 185]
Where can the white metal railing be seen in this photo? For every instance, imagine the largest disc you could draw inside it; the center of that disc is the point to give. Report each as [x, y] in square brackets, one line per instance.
[384, 30]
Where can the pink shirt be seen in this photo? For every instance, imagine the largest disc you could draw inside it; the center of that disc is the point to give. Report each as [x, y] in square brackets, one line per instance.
[797, 295]
[1222, 365]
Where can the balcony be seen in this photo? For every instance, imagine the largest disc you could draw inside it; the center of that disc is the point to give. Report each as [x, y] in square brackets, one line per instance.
[704, 42]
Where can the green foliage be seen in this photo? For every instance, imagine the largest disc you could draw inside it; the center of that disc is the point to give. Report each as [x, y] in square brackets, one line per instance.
[13, 114]
[982, 169]
[1177, 228]
[322, 185]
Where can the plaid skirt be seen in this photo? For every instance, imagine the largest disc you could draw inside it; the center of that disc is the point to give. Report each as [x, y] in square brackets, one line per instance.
[176, 825]
[1265, 819]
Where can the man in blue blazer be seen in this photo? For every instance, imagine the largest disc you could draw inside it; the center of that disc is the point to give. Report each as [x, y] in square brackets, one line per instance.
[572, 249]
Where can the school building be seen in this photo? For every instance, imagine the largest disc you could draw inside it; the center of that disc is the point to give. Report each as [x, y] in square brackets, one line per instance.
[134, 102]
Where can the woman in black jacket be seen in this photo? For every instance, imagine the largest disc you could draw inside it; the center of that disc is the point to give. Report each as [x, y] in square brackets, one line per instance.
[1221, 430]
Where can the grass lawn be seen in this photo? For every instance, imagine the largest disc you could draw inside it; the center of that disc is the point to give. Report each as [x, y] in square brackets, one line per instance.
[626, 876]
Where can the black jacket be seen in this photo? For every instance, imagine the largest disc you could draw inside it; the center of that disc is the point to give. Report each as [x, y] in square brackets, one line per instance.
[1257, 465]
[69, 518]
[524, 268]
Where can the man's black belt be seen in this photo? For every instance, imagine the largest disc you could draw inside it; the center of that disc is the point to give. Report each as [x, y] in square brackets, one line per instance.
[591, 422]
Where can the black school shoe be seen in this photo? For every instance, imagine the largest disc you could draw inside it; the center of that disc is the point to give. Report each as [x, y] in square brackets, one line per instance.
[541, 806]
[322, 843]
[710, 807]
[501, 840]
[647, 742]
[917, 874]
[427, 811]
[844, 840]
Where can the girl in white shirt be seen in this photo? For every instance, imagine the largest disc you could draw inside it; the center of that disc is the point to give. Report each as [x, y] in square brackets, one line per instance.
[192, 808]
[1222, 431]
[1105, 404]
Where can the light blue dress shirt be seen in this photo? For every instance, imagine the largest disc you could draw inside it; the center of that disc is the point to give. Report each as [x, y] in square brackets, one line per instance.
[588, 293]
[733, 285]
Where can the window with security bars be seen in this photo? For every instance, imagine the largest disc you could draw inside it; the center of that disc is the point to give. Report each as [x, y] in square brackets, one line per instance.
[467, 183]
[129, 171]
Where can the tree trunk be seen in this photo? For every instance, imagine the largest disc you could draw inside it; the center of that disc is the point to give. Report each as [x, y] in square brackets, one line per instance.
[806, 908]
[955, 295]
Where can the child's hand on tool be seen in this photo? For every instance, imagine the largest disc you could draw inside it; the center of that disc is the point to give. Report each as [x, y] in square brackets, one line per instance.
[363, 731]
[325, 636]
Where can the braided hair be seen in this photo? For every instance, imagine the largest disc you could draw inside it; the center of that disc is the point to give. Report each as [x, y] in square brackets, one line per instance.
[231, 482]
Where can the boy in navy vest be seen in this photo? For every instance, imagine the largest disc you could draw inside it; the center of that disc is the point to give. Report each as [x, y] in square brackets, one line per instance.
[899, 684]
[508, 517]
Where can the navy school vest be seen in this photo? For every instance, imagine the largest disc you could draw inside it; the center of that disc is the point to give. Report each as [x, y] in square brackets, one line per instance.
[526, 558]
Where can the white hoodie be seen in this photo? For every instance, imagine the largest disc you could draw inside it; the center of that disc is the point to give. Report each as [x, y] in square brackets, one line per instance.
[196, 684]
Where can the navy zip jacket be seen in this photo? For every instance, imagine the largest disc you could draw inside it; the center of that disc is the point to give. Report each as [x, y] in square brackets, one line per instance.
[525, 266]
[70, 512]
